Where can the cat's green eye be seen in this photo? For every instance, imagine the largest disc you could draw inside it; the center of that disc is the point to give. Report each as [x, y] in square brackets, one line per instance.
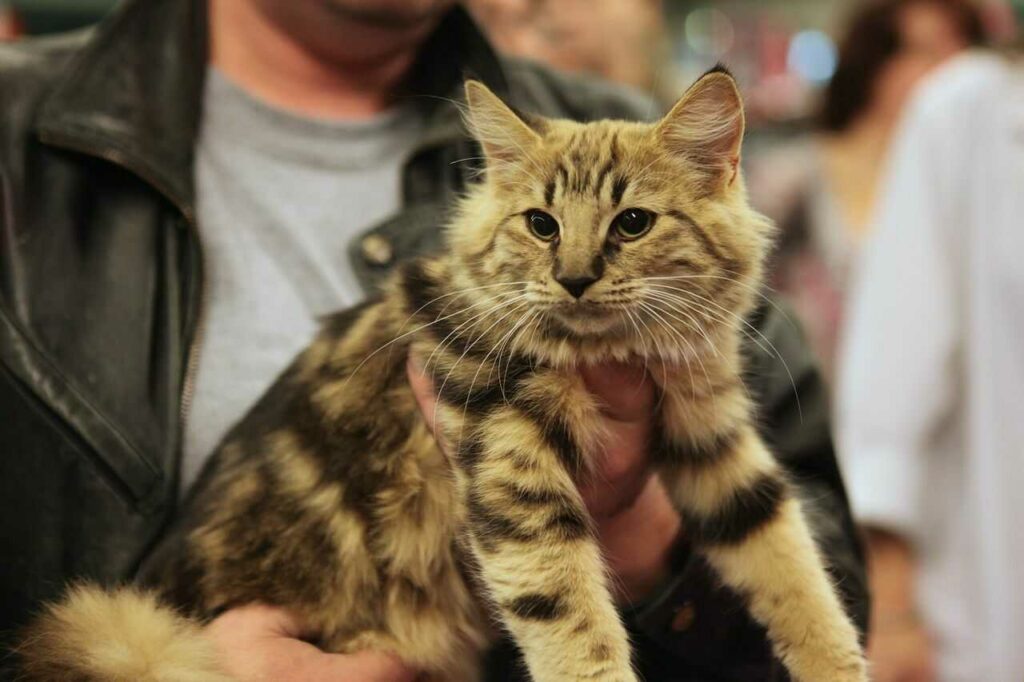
[542, 225]
[633, 223]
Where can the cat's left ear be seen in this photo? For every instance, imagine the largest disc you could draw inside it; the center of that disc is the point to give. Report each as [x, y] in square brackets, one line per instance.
[705, 128]
[499, 130]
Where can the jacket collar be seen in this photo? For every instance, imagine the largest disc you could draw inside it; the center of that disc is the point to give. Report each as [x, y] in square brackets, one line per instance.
[455, 52]
[133, 95]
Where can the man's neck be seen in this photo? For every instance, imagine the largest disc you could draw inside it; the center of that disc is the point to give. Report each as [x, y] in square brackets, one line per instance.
[352, 73]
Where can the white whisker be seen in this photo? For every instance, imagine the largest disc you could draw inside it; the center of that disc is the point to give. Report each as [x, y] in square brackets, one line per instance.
[681, 337]
[469, 392]
[757, 291]
[467, 325]
[702, 301]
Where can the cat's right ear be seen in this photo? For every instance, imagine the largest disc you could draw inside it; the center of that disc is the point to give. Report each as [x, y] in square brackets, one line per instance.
[503, 135]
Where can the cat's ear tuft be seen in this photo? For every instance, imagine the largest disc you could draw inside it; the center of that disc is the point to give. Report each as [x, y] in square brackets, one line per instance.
[502, 133]
[705, 128]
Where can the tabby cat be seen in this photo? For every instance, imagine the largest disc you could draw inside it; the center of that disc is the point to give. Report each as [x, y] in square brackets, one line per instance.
[582, 243]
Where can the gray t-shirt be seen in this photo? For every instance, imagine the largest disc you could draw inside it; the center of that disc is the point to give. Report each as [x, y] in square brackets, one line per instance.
[279, 198]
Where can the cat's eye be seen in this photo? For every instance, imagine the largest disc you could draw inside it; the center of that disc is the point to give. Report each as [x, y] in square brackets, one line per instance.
[542, 225]
[633, 223]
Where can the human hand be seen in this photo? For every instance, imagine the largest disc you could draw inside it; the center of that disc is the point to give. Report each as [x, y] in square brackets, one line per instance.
[257, 643]
[627, 396]
[633, 516]
[902, 652]
[900, 648]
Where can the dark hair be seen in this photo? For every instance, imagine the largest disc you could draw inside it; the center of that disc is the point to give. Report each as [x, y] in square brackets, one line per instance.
[872, 39]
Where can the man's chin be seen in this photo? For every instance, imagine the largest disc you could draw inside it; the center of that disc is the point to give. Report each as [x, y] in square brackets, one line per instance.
[390, 14]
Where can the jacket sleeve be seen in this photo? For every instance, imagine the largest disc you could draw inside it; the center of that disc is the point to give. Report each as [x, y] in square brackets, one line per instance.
[699, 624]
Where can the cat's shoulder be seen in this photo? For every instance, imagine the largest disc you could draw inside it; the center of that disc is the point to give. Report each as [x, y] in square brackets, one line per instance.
[543, 90]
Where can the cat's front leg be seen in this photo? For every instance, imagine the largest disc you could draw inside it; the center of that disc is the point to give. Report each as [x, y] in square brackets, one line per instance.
[538, 559]
[741, 515]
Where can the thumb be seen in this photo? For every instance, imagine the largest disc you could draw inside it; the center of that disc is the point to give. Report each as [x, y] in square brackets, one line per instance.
[626, 390]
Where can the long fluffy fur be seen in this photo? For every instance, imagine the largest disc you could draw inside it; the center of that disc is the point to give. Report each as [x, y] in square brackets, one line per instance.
[333, 499]
[119, 636]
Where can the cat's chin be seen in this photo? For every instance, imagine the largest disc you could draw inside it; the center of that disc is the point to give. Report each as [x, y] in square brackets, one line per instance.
[585, 320]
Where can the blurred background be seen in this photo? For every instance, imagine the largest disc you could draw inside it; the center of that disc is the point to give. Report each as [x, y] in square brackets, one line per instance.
[783, 51]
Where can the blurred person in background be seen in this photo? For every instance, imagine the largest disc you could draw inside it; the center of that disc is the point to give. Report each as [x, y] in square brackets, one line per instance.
[621, 40]
[822, 193]
[931, 391]
[10, 23]
[184, 191]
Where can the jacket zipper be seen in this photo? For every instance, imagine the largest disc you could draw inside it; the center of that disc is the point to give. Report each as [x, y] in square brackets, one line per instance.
[192, 353]
[188, 382]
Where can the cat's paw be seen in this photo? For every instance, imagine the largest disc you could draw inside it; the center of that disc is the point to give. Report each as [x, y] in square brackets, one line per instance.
[616, 676]
[860, 676]
[853, 669]
[836, 665]
[610, 674]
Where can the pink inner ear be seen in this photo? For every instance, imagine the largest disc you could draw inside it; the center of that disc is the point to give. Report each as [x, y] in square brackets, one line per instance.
[502, 133]
[706, 128]
[709, 116]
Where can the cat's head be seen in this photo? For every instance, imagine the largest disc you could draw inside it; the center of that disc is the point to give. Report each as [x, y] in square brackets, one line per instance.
[612, 237]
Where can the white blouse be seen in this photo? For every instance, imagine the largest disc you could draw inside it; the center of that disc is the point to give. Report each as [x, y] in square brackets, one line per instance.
[931, 388]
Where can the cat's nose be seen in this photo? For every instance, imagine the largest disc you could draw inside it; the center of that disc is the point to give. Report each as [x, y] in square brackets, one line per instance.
[576, 285]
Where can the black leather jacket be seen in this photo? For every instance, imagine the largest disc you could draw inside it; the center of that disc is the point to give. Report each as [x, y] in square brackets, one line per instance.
[101, 302]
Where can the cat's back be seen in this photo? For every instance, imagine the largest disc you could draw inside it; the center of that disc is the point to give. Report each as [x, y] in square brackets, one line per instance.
[332, 457]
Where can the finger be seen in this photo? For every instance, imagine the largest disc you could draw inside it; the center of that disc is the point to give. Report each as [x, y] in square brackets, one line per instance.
[298, 660]
[628, 396]
[422, 388]
[259, 641]
[294, 659]
[626, 447]
[258, 619]
[367, 666]
[626, 390]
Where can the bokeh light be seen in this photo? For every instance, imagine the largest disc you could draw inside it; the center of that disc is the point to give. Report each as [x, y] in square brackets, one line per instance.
[709, 32]
[812, 55]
